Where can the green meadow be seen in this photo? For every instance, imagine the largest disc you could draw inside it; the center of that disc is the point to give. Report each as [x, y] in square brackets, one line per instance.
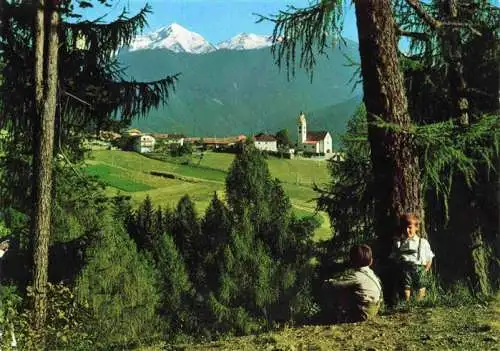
[129, 173]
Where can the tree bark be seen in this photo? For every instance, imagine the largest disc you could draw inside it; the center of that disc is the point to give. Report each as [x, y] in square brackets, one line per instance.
[451, 46]
[39, 54]
[394, 160]
[43, 158]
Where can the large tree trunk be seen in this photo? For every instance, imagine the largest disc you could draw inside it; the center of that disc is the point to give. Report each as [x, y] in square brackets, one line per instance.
[452, 51]
[394, 161]
[43, 155]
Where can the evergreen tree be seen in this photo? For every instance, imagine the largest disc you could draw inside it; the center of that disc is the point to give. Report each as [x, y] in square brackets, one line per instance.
[119, 285]
[34, 58]
[248, 186]
[263, 272]
[175, 287]
[143, 227]
[216, 230]
[187, 235]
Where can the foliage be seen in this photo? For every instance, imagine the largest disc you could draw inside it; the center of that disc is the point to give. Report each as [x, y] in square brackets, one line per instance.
[267, 259]
[283, 138]
[448, 150]
[349, 198]
[305, 29]
[175, 287]
[68, 322]
[119, 286]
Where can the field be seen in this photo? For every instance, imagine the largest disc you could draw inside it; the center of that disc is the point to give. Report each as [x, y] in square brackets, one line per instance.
[130, 173]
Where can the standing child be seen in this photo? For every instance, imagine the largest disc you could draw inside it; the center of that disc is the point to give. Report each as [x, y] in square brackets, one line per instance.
[415, 256]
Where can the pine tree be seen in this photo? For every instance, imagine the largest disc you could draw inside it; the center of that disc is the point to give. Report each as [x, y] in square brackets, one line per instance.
[119, 285]
[175, 287]
[216, 230]
[268, 252]
[143, 226]
[186, 232]
[34, 56]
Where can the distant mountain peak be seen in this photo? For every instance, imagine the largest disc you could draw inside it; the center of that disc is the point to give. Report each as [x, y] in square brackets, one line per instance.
[173, 37]
[246, 41]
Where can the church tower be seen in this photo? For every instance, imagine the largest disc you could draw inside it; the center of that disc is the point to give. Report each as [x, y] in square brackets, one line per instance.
[301, 130]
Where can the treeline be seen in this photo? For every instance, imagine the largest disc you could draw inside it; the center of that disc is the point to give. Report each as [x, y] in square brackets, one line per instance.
[159, 274]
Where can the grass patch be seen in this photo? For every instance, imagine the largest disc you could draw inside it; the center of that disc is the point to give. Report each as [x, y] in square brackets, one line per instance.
[469, 327]
[116, 178]
[201, 180]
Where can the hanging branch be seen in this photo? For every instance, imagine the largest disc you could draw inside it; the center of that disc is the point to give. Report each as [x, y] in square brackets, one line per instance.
[309, 28]
[435, 24]
[106, 38]
[137, 98]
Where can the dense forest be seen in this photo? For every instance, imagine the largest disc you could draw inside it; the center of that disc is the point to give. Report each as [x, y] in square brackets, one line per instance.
[84, 270]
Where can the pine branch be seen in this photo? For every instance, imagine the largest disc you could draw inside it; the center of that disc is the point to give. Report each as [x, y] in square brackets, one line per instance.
[106, 38]
[415, 35]
[137, 98]
[436, 24]
[309, 28]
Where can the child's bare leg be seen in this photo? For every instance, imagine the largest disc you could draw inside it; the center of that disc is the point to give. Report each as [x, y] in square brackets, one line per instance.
[407, 294]
[421, 294]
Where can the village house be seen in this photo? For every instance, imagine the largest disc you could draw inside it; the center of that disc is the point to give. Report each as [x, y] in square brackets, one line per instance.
[317, 142]
[132, 132]
[170, 138]
[217, 143]
[143, 143]
[266, 142]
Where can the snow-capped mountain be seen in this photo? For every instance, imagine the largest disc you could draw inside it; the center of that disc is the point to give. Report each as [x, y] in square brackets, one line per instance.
[175, 38]
[178, 39]
[246, 41]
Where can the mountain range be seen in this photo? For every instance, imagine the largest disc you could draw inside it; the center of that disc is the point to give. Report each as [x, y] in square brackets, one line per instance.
[235, 87]
[176, 38]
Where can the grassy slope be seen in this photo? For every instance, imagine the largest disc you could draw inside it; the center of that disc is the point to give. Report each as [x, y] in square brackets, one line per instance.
[128, 173]
[472, 327]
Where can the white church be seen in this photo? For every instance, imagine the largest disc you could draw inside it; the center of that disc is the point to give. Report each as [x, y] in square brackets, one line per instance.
[318, 142]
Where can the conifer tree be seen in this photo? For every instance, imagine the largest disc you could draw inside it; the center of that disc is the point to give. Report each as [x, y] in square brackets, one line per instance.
[143, 227]
[186, 232]
[119, 285]
[34, 57]
[216, 229]
[174, 285]
[265, 240]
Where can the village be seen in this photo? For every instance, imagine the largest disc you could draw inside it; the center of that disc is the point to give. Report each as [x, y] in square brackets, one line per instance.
[309, 144]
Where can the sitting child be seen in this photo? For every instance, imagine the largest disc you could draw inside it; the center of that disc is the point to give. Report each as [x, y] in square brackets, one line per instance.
[357, 295]
[414, 255]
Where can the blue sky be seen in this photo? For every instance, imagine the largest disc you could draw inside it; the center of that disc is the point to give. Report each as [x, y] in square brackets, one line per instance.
[215, 20]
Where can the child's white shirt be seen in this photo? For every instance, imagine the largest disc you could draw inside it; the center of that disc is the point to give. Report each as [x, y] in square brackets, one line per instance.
[412, 244]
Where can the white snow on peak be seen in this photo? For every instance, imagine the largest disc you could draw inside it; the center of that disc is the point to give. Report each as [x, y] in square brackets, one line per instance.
[246, 41]
[175, 38]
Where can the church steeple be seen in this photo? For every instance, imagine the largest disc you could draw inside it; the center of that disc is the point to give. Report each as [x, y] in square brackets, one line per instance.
[301, 129]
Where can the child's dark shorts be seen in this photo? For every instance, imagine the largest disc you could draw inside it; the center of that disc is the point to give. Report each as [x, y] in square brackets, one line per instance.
[414, 276]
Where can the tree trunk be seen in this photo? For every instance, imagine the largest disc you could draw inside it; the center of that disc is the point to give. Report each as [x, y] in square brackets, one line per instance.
[39, 54]
[43, 159]
[394, 160]
[451, 45]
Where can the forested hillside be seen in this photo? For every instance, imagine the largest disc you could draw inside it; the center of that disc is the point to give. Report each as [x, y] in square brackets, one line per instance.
[243, 92]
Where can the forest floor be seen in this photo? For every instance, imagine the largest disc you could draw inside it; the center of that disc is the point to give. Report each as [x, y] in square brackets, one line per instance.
[471, 327]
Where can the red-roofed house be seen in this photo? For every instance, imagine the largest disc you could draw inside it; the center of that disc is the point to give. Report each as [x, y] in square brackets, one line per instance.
[315, 142]
[266, 142]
